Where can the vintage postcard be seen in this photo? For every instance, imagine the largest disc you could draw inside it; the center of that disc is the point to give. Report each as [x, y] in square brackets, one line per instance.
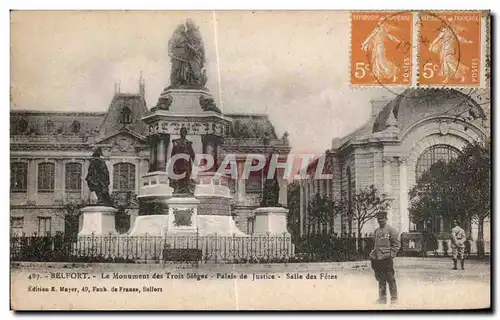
[250, 160]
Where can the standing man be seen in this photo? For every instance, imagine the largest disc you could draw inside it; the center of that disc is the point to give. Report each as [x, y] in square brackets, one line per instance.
[458, 244]
[386, 247]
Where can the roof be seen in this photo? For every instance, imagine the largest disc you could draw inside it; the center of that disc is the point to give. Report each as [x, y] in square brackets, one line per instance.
[251, 126]
[134, 105]
[416, 104]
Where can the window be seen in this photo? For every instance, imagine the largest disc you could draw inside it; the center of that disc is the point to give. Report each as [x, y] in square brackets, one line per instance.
[73, 177]
[439, 222]
[124, 177]
[18, 177]
[16, 226]
[44, 225]
[75, 127]
[433, 155]
[46, 177]
[125, 116]
[49, 126]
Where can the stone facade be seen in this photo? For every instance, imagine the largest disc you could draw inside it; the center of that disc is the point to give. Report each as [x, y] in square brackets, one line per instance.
[50, 152]
[386, 150]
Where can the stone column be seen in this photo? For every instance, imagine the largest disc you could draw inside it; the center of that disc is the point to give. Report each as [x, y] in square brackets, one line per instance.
[301, 208]
[283, 186]
[59, 181]
[161, 152]
[240, 187]
[32, 180]
[152, 152]
[386, 161]
[403, 196]
[85, 187]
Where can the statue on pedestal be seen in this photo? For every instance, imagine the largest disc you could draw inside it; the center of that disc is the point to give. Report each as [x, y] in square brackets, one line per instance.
[184, 186]
[98, 179]
[271, 193]
[187, 53]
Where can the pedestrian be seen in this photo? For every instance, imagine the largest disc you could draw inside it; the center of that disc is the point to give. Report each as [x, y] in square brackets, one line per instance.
[458, 239]
[386, 247]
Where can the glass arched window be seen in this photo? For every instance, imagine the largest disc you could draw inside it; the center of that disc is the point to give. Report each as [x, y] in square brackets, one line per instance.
[126, 116]
[73, 177]
[124, 177]
[432, 155]
[18, 177]
[46, 171]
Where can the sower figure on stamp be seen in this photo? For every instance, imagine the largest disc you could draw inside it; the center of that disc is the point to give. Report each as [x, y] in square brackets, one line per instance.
[458, 239]
[98, 178]
[386, 246]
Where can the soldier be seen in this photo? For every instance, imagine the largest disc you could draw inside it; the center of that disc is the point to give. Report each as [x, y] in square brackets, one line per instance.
[458, 239]
[386, 246]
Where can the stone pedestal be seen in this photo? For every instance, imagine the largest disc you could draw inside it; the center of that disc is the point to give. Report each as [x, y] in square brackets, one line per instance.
[98, 220]
[182, 215]
[155, 184]
[150, 225]
[271, 220]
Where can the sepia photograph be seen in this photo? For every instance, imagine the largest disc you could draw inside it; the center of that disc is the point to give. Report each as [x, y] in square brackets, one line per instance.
[250, 160]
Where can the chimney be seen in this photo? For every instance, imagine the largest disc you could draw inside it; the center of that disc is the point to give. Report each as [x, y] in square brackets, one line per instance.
[142, 86]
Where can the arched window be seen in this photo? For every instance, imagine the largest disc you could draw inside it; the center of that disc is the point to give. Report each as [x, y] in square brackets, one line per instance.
[75, 127]
[126, 115]
[124, 177]
[432, 155]
[73, 177]
[18, 177]
[46, 172]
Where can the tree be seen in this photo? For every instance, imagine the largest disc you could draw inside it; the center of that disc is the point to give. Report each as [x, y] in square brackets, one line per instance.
[459, 189]
[322, 211]
[293, 202]
[473, 183]
[71, 213]
[365, 205]
[433, 195]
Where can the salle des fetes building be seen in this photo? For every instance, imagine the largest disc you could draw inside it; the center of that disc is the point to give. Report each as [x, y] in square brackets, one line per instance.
[404, 137]
[50, 154]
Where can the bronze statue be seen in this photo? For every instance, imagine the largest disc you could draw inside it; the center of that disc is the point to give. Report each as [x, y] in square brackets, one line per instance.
[183, 146]
[187, 53]
[98, 179]
[271, 193]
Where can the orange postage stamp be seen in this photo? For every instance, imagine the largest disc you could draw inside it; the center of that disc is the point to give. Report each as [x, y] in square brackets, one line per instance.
[381, 48]
[450, 48]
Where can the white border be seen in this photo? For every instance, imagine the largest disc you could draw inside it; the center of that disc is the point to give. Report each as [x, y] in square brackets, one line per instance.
[146, 4]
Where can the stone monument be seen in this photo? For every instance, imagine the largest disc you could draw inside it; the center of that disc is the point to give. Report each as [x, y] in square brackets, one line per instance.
[271, 217]
[98, 219]
[185, 122]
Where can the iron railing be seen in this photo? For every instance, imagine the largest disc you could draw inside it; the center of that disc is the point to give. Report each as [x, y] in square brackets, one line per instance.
[152, 249]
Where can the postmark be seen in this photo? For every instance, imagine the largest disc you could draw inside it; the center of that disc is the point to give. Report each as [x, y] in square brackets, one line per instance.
[381, 48]
[449, 48]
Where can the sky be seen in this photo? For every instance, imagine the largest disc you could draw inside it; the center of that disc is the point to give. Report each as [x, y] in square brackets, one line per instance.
[291, 65]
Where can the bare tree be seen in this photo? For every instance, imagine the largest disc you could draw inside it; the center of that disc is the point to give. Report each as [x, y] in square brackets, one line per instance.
[365, 205]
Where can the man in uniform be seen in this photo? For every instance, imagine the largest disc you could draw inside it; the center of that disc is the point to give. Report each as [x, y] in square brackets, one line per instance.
[386, 247]
[458, 239]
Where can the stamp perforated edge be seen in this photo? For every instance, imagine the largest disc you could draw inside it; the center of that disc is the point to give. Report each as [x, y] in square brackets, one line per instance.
[481, 37]
[412, 83]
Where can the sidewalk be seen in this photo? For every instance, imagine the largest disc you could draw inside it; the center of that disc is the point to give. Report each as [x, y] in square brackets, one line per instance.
[401, 263]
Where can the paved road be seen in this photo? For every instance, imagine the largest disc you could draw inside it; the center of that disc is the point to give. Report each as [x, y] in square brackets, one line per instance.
[427, 283]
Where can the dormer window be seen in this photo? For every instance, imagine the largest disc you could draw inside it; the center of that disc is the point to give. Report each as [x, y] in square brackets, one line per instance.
[126, 116]
[49, 126]
[75, 127]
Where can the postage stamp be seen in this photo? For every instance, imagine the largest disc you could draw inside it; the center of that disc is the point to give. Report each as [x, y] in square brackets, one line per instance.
[381, 48]
[449, 51]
